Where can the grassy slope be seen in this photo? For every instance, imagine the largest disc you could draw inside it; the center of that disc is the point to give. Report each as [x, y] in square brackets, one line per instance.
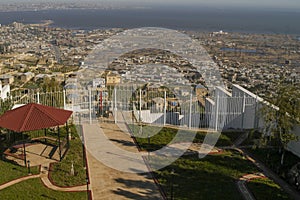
[10, 171]
[60, 173]
[213, 177]
[266, 189]
[33, 189]
[165, 136]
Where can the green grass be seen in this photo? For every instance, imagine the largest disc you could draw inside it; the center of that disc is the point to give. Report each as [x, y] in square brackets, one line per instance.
[266, 189]
[10, 171]
[232, 135]
[165, 135]
[253, 138]
[60, 173]
[213, 177]
[271, 158]
[33, 189]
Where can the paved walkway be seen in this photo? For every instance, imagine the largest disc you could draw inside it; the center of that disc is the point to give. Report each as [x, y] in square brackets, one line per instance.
[244, 190]
[5, 185]
[37, 154]
[242, 185]
[114, 161]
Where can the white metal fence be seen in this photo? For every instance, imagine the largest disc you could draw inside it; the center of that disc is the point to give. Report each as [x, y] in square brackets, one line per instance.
[154, 106]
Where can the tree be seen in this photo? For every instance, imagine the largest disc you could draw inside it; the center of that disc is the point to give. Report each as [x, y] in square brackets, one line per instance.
[50, 85]
[282, 114]
[5, 105]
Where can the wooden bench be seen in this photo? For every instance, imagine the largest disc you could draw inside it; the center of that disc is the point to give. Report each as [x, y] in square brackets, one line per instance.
[8, 152]
[45, 137]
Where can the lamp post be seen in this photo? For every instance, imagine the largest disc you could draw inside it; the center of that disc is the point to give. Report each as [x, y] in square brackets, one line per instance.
[172, 180]
[296, 180]
[28, 166]
[148, 146]
[87, 188]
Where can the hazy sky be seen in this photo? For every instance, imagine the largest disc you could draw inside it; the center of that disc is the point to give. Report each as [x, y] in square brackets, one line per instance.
[295, 4]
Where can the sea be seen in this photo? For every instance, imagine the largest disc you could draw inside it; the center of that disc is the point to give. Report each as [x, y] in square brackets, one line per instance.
[198, 19]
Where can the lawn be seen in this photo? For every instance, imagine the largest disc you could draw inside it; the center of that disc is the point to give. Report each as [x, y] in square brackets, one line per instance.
[213, 177]
[232, 135]
[271, 158]
[165, 135]
[10, 171]
[33, 189]
[61, 171]
[266, 189]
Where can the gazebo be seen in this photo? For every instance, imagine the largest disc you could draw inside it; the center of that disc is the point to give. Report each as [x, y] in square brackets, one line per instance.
[32, 117]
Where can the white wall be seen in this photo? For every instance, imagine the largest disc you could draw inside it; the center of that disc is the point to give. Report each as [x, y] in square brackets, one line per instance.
[294, 146]
[237, 110]
[5, 91]
[243, 112]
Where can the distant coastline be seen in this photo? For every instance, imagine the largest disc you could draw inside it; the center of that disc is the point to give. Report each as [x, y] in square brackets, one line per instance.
[43, 23]
[197, 20]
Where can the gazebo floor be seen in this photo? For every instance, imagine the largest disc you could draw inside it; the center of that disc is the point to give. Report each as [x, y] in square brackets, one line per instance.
[37, 153]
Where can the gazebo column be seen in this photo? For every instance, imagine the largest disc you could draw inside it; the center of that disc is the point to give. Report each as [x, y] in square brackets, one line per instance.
[67, 131]
[59, 149]
[45, 133]
[24, 150]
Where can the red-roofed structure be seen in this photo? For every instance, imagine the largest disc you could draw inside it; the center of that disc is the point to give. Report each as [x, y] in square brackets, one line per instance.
[32, 117]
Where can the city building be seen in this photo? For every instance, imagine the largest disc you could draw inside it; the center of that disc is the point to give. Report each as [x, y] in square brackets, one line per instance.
[26, 76]
[7, 79]
[112, 79]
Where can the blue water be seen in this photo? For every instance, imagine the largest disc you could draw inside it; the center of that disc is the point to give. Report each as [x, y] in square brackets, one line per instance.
[204, 19]
[238, 50]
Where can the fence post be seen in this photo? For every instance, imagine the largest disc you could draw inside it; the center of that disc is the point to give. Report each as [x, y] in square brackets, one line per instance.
[140, 115]
[255, 114]
[64, 96]
[59, 144]
[190, 111]
[217, 113]
[38, 97]
[243, 111]
[165, 107]
[90, 105]
[115, 104]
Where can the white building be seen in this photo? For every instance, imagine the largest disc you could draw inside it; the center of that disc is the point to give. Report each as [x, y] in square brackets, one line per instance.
[4, 91]
[99, 82]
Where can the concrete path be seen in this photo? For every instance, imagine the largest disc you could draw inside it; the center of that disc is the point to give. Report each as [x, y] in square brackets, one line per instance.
[244, 190]
[5, 185]
[37, 154]
[242, 185]
[113, 161]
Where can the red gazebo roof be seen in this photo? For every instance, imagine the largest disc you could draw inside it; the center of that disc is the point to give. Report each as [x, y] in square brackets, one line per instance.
[33, 116]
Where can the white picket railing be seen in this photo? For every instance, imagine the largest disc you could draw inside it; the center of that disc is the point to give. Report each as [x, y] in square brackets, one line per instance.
[154, 107]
